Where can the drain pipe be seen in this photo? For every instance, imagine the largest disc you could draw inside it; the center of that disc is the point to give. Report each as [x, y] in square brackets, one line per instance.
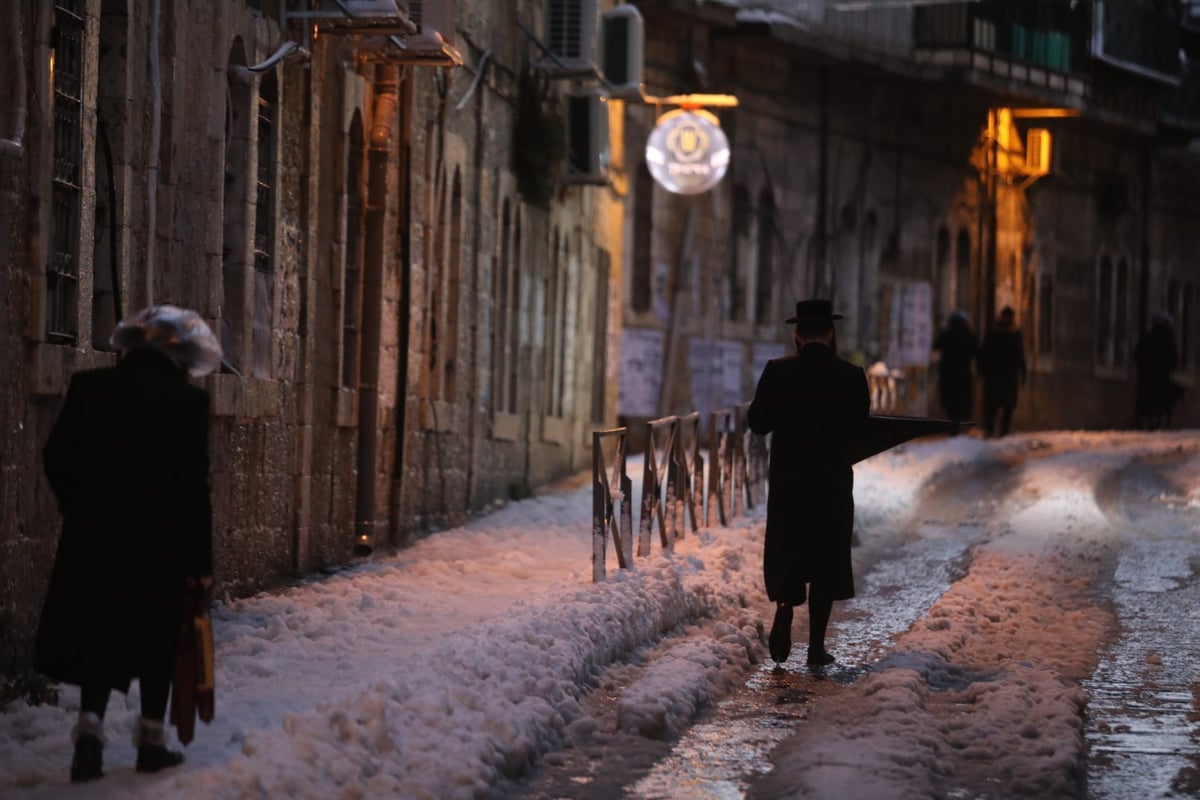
[14, 145]
[155, 145]
[373, 255]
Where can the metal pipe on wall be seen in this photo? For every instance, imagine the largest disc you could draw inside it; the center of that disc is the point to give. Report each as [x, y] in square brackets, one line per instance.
[378, 150]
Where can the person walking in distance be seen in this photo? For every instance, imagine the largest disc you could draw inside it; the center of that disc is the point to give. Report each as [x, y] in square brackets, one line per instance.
[1002, 364]
[814, 404]
[127, 460]
[1156, 358]
[958, 346]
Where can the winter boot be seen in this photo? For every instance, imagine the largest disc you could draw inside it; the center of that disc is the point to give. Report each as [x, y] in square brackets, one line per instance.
[88, 762]
[150, 739]
[780, 640]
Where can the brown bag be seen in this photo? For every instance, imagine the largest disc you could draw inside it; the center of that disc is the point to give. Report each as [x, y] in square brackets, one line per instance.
[192, 694]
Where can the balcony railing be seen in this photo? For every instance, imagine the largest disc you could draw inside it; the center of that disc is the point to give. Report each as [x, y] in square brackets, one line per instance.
[1036, 33]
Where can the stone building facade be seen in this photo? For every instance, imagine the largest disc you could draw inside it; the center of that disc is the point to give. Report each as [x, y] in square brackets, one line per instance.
[859, 171]
[416, 322]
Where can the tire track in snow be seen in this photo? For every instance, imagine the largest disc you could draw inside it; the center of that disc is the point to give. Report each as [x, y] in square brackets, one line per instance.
[1143, 728]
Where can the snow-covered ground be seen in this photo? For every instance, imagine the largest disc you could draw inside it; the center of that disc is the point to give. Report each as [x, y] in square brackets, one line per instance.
[461, 661]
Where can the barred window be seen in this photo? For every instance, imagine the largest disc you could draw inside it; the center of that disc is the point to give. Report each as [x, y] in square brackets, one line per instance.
[67, 75]
[264, 226]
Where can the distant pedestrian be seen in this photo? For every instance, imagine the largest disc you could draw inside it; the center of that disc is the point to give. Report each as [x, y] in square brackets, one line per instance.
[813, 403]
[1002, 365]
[127, 460]
[1156, 358]
[959, 347]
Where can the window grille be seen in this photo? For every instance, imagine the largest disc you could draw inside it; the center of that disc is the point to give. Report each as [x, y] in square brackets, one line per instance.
[264, 227]
[62, 272]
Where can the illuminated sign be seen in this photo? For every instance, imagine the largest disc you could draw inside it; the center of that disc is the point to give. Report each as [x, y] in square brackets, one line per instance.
[687, 152]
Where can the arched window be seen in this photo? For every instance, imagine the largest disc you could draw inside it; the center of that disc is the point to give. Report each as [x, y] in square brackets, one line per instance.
[352, 268]
[66, 191]
[264, 224]
[235, 236]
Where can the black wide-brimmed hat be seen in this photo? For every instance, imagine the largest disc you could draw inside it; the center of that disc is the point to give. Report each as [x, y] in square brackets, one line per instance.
[813, 312]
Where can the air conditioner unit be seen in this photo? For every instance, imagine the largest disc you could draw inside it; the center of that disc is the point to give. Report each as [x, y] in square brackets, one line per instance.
[623, 50]
[356, 17]
[571, 29]
[1037, 151]
[433, 43]
[587, 138]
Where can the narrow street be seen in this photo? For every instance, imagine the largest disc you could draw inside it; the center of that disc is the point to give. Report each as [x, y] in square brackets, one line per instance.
[1141, 731]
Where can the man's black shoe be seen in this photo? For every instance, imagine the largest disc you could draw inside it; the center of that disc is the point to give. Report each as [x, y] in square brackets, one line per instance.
[87, 765]
[780, 640]
[820, 659]
[155, 757]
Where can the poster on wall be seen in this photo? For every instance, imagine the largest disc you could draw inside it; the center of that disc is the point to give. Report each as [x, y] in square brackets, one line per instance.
[716, 375]
[641, 372]
[911, 328]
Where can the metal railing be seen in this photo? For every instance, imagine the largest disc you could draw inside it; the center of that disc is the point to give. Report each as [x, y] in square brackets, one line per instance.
[673, 482]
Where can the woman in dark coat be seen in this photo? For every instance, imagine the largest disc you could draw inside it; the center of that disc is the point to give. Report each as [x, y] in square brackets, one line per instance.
[128, 462]
[958, 346]
[813, 403]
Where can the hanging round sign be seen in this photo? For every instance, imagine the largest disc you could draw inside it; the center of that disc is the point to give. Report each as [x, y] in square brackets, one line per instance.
[687, 152]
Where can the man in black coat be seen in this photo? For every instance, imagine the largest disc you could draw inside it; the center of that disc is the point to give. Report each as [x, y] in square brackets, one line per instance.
[127, 460]
[958, 346]
[1156, 358]
[1002, 363]
[814, 404]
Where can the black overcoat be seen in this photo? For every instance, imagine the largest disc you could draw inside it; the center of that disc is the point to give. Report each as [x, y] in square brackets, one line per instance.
[1002, 364]
[958, 346]
[128, 462]
[814, 404]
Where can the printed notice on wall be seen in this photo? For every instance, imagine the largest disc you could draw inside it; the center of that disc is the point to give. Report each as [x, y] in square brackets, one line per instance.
[716, 370]
[764, 352]
[641, 372]
[911, 326]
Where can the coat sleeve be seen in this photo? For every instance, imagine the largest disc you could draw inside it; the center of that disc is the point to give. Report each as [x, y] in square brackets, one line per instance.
[761, 414]
[62, 453]
[198, 492]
